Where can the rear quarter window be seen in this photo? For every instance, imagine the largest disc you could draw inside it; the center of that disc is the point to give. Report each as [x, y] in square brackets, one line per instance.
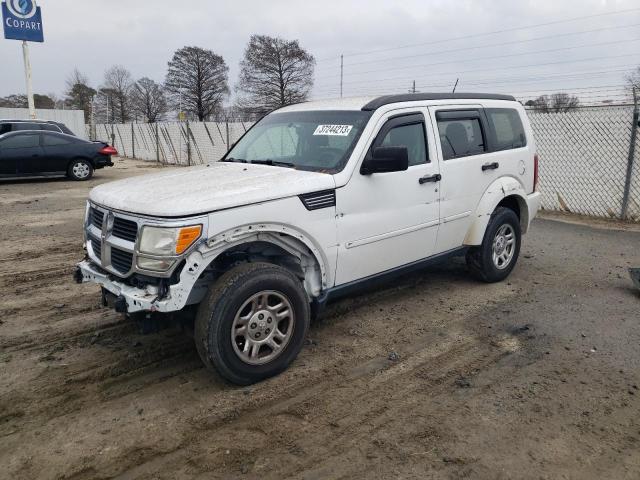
[508, 131]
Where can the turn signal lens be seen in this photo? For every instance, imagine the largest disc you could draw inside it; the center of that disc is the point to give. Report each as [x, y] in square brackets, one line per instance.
[186, 237]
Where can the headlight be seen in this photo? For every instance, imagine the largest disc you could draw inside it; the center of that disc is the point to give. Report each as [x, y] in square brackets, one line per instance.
[168, 241]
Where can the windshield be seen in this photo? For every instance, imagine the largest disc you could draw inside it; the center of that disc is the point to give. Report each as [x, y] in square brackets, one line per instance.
[314, 140]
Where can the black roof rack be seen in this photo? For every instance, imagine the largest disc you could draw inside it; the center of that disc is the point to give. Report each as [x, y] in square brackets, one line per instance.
[412, 97]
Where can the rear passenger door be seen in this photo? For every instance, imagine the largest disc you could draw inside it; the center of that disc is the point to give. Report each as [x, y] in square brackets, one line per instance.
[466, 168]
[477, 146]
[57, 152]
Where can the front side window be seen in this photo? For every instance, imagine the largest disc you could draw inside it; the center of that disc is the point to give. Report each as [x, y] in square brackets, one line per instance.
[21, 141]
[460, 137]
[410, 136]
[313, 140]
[507, 127]
[26, 126]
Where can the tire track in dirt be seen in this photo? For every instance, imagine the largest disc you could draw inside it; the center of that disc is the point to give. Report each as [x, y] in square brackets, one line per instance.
[337, 425]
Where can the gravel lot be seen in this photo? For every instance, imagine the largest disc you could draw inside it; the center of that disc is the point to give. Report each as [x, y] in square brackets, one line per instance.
[435, 376]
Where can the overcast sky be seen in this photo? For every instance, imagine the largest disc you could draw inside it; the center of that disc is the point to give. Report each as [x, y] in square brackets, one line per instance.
[588, 56]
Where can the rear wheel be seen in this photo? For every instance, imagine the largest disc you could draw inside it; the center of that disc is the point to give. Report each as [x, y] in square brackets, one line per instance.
[496, 257]
[80, 169]
[253, 322]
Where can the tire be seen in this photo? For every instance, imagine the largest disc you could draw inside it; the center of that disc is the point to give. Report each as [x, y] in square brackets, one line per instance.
[495, 258]
[80, 169]
[241, 298]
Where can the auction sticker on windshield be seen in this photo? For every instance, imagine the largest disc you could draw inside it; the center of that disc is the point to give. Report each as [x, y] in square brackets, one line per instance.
[340, 130]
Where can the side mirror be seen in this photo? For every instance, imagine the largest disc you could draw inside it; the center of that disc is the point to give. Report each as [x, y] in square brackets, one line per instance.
[386, 159]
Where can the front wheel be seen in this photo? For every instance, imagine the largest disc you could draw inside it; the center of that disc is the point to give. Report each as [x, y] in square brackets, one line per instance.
[80, 169]
[253, 322]
[495, 258]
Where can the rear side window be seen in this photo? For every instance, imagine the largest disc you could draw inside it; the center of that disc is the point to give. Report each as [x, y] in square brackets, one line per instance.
[507, 128]
[5, 128]
[21, 141]
[461, 134]
[54, 140]
[49, 127]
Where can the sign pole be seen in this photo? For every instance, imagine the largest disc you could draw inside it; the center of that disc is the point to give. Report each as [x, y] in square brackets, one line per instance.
[27, 75]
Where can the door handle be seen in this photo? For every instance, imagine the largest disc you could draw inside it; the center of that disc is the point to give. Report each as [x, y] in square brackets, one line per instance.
[490, 166]
[430, 178]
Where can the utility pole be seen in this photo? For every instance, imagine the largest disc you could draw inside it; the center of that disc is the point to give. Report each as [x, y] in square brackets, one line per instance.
[413, 89]
[27, 75]
[341, 72]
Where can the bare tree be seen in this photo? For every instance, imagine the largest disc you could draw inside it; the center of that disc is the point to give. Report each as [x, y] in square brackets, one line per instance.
[557, 103]
[541, 104]
[563, 102]
[118, 80]
[197, 81]
[79, 94]
[633, 82]
[274, 72]
[148, 100]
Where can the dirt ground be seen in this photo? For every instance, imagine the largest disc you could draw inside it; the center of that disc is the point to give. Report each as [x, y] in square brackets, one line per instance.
[435, 376]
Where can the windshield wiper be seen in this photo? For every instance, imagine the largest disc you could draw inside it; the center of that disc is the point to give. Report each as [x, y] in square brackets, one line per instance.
[276, 163]
[231, 159]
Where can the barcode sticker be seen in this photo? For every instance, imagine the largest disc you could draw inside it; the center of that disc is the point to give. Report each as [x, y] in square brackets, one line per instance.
[340, 130]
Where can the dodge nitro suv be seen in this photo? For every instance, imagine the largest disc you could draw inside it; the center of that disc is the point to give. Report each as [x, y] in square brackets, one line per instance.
[315, 200]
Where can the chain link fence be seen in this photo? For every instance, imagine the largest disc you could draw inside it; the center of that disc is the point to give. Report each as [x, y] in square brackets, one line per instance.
[589, 161]
[173, 143]
[589, 158]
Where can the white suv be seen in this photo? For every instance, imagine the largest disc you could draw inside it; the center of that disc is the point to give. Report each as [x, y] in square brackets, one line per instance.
[315, 200]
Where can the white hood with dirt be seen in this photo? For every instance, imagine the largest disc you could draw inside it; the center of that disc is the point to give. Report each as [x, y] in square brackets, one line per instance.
[189, 191]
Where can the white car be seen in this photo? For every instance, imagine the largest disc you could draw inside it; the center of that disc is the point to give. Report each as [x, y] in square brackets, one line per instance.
[315, 200]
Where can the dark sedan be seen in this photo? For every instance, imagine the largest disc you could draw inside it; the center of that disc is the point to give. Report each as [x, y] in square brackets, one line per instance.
[43, 153]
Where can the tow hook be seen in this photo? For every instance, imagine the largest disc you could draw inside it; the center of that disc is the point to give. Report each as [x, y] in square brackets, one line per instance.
[77, 275]
[120, 304]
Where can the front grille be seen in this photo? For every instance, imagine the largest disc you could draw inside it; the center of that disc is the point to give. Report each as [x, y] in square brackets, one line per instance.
[96, 246]
[96, 218]
[121, 260]
[125, 229]
[317, 200]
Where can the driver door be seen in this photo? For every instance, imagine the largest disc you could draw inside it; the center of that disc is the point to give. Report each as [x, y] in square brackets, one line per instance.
[388, 220]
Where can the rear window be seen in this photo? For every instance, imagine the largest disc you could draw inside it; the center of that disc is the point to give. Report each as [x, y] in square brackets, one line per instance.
[507, 128]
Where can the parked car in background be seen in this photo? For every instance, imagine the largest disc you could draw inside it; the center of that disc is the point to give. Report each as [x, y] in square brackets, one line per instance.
[7, 126]
[44, 153]
[314, 201]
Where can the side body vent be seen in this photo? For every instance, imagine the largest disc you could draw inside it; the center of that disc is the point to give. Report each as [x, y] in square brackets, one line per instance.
[317, 200]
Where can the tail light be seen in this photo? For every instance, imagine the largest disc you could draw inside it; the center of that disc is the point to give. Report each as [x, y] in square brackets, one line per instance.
[108, 150]
[536, 170]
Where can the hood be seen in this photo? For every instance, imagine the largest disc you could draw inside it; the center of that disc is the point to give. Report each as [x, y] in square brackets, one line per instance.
[180, 192]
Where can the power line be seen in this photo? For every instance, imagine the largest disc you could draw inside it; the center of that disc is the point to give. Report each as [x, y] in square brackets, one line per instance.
[501, 44]
[457, 72]
[528, 79]
[475, 35]
[492, 57]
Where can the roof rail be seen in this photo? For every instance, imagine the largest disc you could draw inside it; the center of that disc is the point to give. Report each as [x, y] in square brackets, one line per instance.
[412, 97]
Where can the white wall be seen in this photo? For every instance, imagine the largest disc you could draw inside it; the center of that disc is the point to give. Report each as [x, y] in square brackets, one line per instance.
[74, 119]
